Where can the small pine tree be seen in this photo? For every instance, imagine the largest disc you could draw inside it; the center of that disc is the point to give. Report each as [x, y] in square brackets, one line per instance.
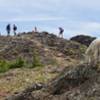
[36, 61]
[18, 63]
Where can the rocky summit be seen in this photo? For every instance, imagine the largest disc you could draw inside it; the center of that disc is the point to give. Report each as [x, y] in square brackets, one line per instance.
[42, 66]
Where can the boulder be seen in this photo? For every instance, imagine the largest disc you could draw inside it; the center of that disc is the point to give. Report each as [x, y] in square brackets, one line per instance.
[72, 78]
[83, 39]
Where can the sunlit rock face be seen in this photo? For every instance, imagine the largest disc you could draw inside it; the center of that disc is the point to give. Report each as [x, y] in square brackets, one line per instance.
[92, 54]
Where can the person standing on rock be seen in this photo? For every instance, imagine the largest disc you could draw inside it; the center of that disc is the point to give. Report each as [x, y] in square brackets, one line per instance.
[8, 29]
[61, 30]
[14, 29]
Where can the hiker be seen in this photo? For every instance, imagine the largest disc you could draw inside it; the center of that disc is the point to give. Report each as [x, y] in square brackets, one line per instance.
[61, 30]
[14, 29]
[8, 29]
[35, 29]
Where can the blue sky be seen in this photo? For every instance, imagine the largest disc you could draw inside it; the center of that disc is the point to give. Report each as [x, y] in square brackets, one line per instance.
[75, 16]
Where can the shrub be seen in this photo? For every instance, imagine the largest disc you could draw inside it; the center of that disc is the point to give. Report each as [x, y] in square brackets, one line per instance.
[4, 66]
[36, 61]
[18, 63]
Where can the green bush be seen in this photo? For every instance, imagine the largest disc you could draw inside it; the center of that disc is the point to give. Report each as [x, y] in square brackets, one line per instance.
[4, 66]
[36, 61]
[18, 63]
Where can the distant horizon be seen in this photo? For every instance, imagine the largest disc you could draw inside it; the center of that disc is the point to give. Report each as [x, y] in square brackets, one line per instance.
[30, 27]
[75, 16]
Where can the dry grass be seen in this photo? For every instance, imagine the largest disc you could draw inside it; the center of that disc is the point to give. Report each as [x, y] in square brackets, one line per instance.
[17, 79]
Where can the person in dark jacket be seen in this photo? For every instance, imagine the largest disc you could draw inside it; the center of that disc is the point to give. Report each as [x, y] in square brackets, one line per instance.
[8, 29]
[14, 29]
[61, 30]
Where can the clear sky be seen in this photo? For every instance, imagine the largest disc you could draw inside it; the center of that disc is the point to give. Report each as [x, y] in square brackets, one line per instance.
[75, 16]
